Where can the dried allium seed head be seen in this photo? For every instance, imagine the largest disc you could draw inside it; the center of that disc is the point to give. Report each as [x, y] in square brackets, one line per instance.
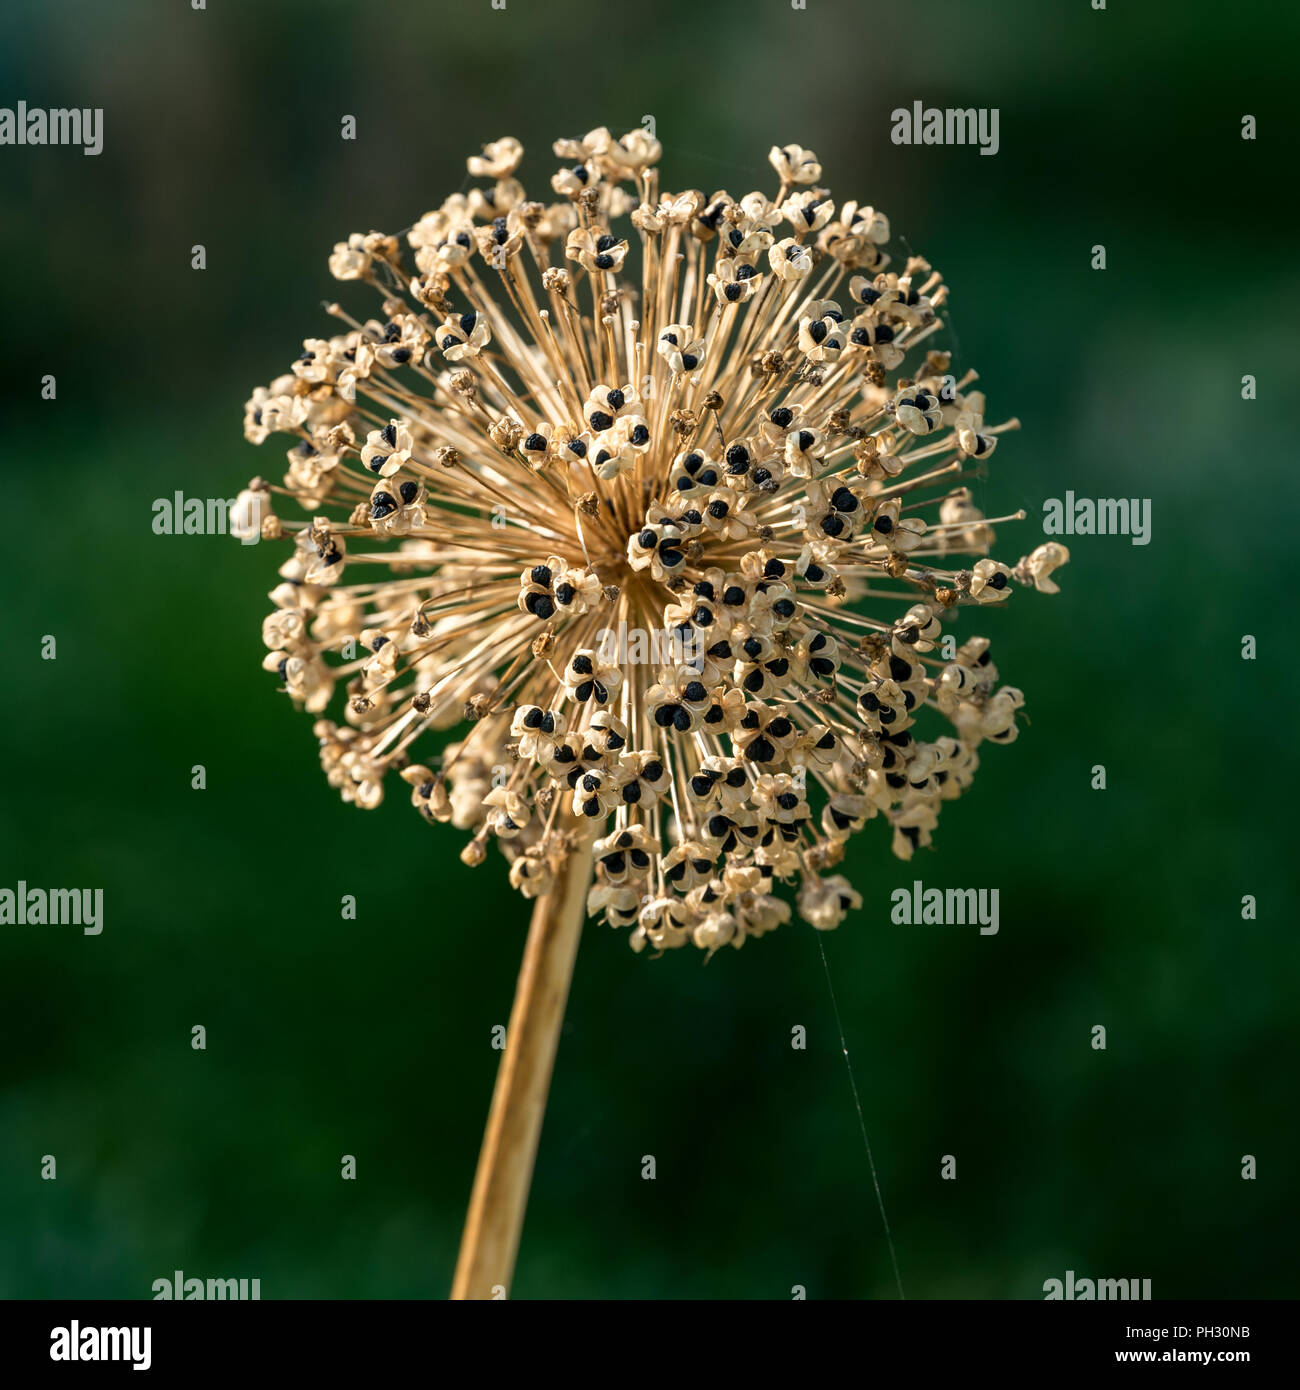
[677, 579]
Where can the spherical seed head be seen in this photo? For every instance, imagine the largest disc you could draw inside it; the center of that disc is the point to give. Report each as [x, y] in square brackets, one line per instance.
[672, 580]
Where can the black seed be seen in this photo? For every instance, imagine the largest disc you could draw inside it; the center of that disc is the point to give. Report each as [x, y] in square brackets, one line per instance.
[617, 400]
[541, 574]
[640, 435]
[581, 665]
[717, 510]
[647, 539]
[774, 569]
[535, 442]
[734, 596]
[695, 692]
[670, 557]
[781, 417]
[817, 330]
[884, 525]
[760, 751]
[682, 721]
[787, 801]
[381, 505]
[600, 421]
[409, 491]
[653, 770]
[780, 727]
[564, 593]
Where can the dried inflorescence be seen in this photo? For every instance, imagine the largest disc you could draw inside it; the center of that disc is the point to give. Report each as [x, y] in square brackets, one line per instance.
[621, 524]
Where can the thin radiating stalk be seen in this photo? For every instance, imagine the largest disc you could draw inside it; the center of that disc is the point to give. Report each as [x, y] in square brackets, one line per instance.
[495, 1218]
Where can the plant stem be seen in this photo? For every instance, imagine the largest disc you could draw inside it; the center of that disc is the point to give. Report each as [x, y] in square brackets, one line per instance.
[505, 1165]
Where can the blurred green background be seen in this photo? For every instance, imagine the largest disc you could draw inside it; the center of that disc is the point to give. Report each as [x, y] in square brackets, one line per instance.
[372, 1038]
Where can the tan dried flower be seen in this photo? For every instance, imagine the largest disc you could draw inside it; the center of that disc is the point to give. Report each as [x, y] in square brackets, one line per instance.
[645, 508]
